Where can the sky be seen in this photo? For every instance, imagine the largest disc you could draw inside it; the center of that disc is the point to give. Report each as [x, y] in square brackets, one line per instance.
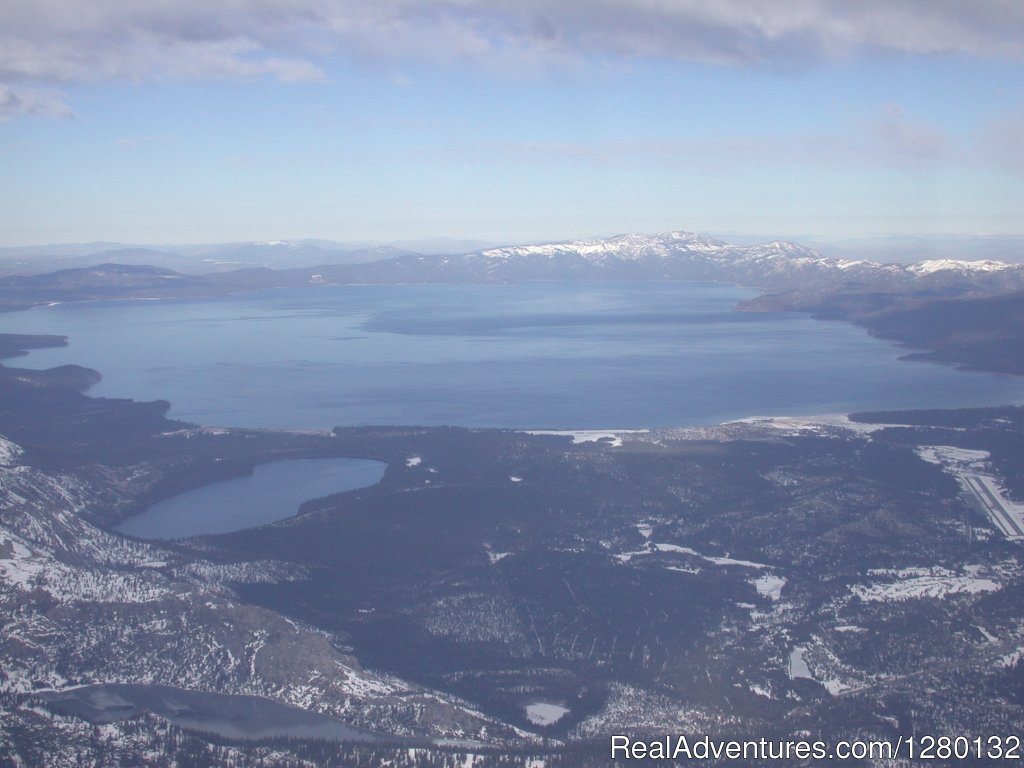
[186, 121]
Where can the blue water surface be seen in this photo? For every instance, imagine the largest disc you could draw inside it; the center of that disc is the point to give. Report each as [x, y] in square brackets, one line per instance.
[533, 355]
[272, 492]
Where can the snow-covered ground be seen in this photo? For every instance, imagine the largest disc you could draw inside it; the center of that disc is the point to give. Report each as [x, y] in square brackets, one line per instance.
[799, 668]
[820, 424]
[9, 453]
[952, 458]
[973, 472]
[957, 265]
[797, 665]
[541, 713]
[911, 583]
[133, 611]
[651, 548]
[770, 586]
[590, 435]
[825, 424]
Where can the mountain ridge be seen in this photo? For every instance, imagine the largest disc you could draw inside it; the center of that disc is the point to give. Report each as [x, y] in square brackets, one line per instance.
[774, 266]
[888, 299]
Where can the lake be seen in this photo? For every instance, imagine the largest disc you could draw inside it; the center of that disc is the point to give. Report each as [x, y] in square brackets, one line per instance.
[231, 716]
[533, 355]
[272, 492]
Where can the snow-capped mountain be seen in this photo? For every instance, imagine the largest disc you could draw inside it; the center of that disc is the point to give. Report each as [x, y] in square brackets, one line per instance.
[776, 267]
[933, 266]
[680, 255]
[677, 248]
[634, 247]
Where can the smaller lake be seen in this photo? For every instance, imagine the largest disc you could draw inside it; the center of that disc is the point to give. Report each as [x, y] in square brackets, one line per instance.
[273, 492]
[231, 716]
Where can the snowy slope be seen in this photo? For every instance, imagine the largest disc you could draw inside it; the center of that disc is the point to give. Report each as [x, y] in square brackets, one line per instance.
[80, 606]
[715, 259]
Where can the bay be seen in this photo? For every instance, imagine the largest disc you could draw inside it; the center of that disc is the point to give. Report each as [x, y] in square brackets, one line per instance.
[532, 355]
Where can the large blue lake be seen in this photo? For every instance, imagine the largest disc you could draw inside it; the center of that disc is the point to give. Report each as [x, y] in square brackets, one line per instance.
[565, 355]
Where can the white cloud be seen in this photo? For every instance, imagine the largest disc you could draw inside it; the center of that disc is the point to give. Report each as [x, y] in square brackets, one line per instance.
[711, 31]
[47, 42]
[76, 40]
[15, 102]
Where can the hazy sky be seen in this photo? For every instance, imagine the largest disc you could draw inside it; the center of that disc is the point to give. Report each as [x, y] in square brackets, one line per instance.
[212, 120]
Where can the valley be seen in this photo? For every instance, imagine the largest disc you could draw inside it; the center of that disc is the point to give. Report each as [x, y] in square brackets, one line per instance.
[464, 384]
[660, 581]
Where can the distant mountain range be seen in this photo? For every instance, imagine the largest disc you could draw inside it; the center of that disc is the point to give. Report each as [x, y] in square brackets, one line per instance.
[220, 257]
[770, 576]
[911, 248]
[890, 299]
[292, 254]
[687, 256]
[775, 267]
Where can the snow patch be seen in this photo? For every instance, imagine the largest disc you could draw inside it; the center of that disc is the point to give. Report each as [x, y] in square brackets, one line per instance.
[651, 548]
[26, 569]
[364, 685]
[797, 665]
[835, 687]
[681, 569]
[953, 457]
[821, 424]
[986, 634]
[709, 558]
[590, 435]
[17, 565]
[932, 583]
[769, 586]
[9, 452]
[798, 668]
[932, 266]
[1011, 659]
[541, 713]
